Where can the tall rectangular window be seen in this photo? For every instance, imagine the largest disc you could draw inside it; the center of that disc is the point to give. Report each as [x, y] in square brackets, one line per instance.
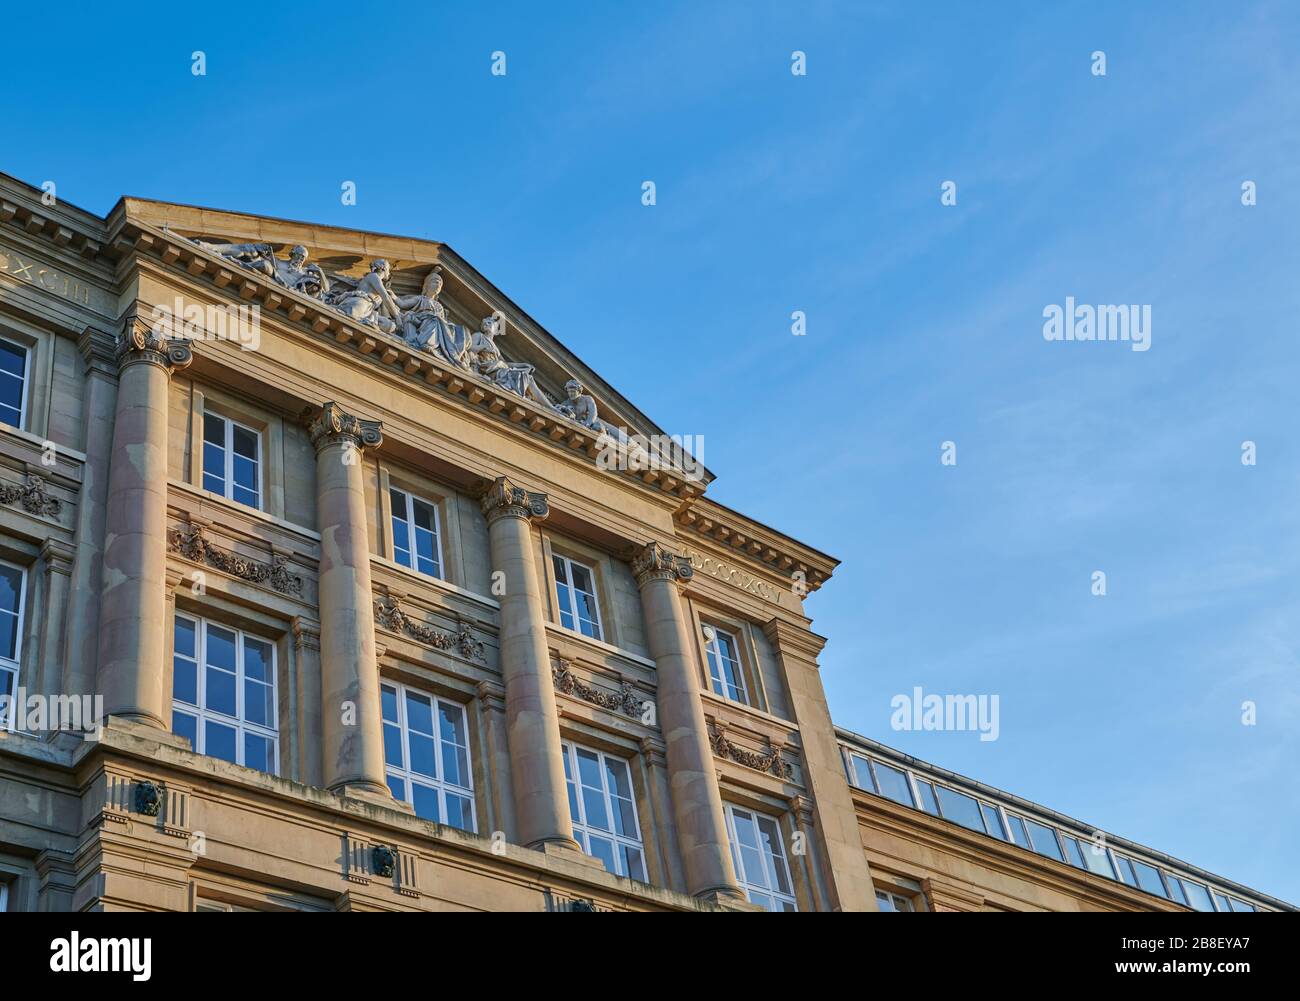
[603, 810]
[417, 542]
[13, 383]
[759, 856]
[223, 693]
[12, 581]
[426, 754]
[575, 592]
[723, 654]
[232, 460]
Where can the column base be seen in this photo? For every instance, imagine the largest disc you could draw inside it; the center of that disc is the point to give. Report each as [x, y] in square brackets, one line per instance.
[568, 850]
[145, 726]
[371, 792]
[727, 897]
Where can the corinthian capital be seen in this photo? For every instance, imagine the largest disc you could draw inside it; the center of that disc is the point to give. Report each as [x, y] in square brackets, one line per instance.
[654, 562]
[332, 424]
[503, 499]
[140, 339]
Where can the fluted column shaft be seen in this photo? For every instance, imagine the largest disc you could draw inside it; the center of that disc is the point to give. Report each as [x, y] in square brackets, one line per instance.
[133, 609]
[351, 724]
[532, 721]
[692, 775]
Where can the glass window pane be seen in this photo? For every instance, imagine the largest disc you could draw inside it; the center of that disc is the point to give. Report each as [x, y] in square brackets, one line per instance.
[561, 572]
[1176, 889]
[1198, 896]
[259, 752]
[419, 713]
[13, 359]
[961, 808]
[221, 648]
[185, 681]
[862, 774]
[1044, 841]
[185, 725]
[220, 692]
[398, 788]
[593, 802]
[219, 740]
[1126, 870]
[425, 801]
[1222, 902]
[993, 822]
[604, 850]
[633, 863]
[259, 704]
[893, 784]
[393, 745]
[928, 802]
[459, 812]
[422, 755]
[257, 660]
[1148, 878]
[581, 577]
[1241, 905]
[388, 699]
[1018, 833]
[185, 636]
[1073, 853]
[1097, 859]
[244, 441]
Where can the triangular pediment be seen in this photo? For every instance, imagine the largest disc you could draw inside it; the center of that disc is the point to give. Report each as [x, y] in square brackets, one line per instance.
[426, 296]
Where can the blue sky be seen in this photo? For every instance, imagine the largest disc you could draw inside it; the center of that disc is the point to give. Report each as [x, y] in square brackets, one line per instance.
[821, 193]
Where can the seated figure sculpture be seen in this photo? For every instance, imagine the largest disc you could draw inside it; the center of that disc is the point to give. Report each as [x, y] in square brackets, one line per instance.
[368, 301]
[424, 323]
[487, 362]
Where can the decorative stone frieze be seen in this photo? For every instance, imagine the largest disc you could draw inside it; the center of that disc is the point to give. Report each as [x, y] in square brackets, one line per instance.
[626, 700]
[331, 424]
[389, 614]
[769, 761]
[505, 500]
[190, 543]
[654, 562]
[32, 496]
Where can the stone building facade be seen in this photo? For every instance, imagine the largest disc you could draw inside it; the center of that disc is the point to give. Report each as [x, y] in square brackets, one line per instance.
[380, 615]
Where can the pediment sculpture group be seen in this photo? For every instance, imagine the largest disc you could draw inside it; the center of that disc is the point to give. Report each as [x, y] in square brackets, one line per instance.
[420, 320]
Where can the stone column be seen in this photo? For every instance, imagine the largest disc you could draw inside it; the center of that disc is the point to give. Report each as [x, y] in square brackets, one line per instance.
[81, 644]
[351, 724]
[697, 802]
[306, 656]
[533, 724]
[132, 619]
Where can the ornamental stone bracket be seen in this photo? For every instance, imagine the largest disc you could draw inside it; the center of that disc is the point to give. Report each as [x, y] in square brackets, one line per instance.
[626, 701]
[656, 562]
[364, 860]
[769, 761]
[32, 496]
[389, 614]
[504, 499]
[191, 544]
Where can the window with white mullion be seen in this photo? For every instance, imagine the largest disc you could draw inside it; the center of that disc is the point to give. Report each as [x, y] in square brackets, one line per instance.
[13, 585]
[13, 383]
[722, 650]
[426, 755]
[232, 460]
[224, 693]
[603, 810]
[758, 853]
[417, 537]
[575, 592]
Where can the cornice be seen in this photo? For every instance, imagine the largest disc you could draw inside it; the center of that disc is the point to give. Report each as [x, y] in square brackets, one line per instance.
[310, 315]
[21, 207]
[755, 544]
